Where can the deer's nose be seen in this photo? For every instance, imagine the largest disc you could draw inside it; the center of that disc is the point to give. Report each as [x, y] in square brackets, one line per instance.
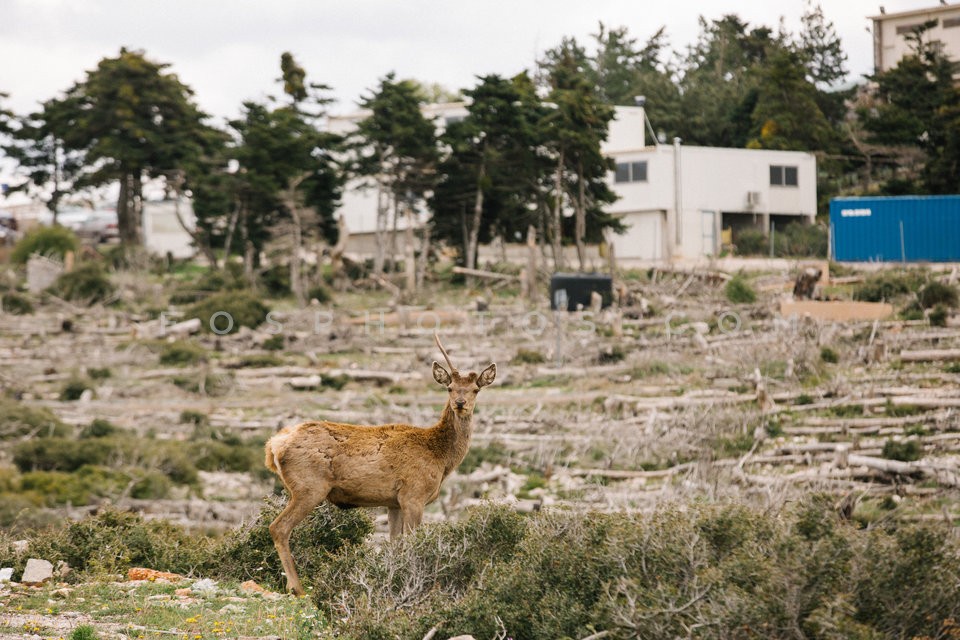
[460, 403]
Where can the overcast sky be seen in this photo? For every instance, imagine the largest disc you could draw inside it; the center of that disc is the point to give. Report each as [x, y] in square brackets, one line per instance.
[229, 51]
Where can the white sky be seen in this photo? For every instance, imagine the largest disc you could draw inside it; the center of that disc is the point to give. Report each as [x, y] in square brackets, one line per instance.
[229, 50]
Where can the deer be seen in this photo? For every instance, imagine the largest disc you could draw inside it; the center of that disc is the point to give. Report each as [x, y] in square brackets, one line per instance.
[397, 466]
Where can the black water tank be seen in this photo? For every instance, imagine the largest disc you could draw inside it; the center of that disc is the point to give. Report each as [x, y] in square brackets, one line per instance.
[568, 290]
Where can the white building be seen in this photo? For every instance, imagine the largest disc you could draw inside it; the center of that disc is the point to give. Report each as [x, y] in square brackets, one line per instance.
[713, 189]
[676, 200]
[890, 31]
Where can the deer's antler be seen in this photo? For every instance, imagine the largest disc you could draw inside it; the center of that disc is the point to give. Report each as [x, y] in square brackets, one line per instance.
[453, 369]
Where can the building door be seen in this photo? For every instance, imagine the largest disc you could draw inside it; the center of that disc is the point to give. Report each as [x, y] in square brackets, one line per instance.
[708, 232]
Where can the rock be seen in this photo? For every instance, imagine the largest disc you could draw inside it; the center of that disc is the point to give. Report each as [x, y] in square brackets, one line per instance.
[140, 573]
[37, 572]
[252, 587]
[183, 592]
[86, 395]
[205, 586]
[466, 637]
[21, 546]
[62, 570]
[6, 574]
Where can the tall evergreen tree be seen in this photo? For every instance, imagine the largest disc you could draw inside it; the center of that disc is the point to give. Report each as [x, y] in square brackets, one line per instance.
[131, 119]
[395, 147]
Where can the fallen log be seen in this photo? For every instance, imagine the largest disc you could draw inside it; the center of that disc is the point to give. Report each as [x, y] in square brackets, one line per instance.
[479, 273]
[930, 355]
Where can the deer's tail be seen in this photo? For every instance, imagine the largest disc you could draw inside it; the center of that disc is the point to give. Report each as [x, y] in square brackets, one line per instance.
[272, 457]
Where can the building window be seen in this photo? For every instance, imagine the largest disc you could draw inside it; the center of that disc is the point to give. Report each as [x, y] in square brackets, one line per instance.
[912, 28]
[631, 172]
[781, 176]
[949, 23]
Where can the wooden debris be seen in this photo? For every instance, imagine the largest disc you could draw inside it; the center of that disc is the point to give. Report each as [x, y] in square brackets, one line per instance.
[479, 273]
[930, 355]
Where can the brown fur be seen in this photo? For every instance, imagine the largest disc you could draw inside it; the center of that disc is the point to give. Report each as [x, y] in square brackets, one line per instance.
[397, 466]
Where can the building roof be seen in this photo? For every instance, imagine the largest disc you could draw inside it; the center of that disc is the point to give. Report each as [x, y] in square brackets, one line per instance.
[938, 8]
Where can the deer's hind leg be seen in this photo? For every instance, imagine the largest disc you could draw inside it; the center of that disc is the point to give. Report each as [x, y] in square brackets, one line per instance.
[301, 503]
[395, 520]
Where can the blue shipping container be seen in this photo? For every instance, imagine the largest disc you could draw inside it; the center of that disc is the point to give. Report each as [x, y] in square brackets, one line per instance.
[895, 229]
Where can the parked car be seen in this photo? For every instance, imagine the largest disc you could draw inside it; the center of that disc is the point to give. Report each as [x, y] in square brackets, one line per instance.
[8, 228]
[99, 225]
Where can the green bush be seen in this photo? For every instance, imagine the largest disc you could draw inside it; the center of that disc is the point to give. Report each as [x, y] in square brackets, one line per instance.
[18, 420]
[243, 308]
[84, 632]
[902, 450]
[230, 278]
[99, 428]
[799, 240]
[939, 315]
[275, 343]
[937, 293]
[67, 454]
[249, 554]
[182, 353]
[726, 570]
[827, 354]
[111, 542]
[99, 373]
[888, 285]
[74, 388]
[319, 293]
[16, 303]
[739, 291]
[47, 241]
[87, 283]
[751, 242]
[276, 280]
[221, 456]
[528, 356]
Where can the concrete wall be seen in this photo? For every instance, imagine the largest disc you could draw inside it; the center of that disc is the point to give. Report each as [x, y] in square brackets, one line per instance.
[889, 46]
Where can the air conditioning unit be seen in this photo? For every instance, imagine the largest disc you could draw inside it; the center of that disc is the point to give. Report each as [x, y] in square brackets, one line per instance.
[753, 198]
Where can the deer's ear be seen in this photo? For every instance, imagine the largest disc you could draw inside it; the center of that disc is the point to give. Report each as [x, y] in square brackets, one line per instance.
[440, 374]
[487, 375]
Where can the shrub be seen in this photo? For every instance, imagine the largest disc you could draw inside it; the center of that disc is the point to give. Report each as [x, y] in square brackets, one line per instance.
[937, 293]
[47, 241]
[18, 420]
[73, 388]
[111, 542]
[319, 293]
[84, 632]
[99, 373]
[182, 353]
[727, 570]
[274, 343]
[276, 280]
[221, 456]
[902, 450]
[87, 283]
[827, 354]
[249, 554]
[99, 428]
[751, 242]
[939, 315]
[213, 281]
[887, 285]
[739, 291]
[188, 416]
[528, 356]
[16, 304]
[243, 309]
[798, 240]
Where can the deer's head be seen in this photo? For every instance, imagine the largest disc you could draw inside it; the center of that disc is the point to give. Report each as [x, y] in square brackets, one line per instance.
[463, 387]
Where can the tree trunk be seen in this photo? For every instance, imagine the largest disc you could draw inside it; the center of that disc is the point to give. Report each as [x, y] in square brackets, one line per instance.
[409, 254]
[126, 212]
[423, 261]
[580, 227]
[382, 209]
[336, 255]
[473, 232]
[296, 278]
[556, 228]
[231, 229]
